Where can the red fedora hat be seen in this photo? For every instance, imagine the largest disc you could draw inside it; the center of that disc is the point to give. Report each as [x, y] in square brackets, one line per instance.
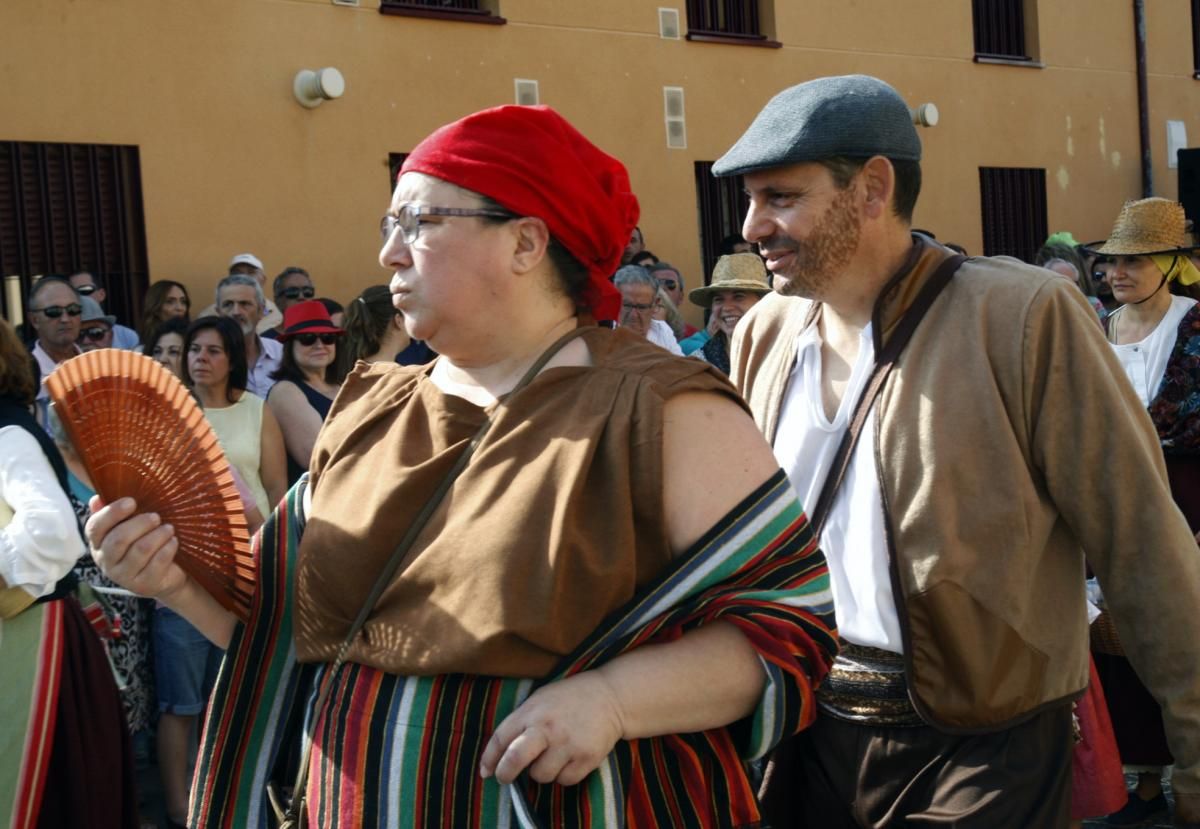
[308, 317]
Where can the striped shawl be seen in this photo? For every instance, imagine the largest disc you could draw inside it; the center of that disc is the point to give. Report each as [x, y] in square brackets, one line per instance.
[404, 751]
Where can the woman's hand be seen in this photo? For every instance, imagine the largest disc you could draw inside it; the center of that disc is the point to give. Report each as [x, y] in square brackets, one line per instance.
[561, 733]
[137, 551]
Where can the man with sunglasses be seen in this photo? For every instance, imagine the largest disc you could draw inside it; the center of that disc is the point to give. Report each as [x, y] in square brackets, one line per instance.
[293, 285]
[671, 281]
[53, 313]
[95, 326]
[87, 284]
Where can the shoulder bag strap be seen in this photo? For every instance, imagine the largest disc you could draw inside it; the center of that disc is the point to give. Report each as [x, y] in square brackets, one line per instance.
[291, 815]
[884, 361]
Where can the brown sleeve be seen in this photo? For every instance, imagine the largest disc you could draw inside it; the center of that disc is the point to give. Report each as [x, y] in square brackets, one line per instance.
[1104, 469]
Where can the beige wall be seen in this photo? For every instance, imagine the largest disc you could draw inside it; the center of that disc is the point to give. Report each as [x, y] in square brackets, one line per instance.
[231, 163]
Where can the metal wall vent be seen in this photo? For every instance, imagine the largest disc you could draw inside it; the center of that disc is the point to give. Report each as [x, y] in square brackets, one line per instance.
[526, 92]
[668, 23]
[346, 2]
[674, 115]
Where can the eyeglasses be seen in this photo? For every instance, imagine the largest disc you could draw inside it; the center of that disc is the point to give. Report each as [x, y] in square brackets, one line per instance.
[640, 307]
[93, 334]
[309, 339]
[56, 311]
[408, 219]
[86, 290]
[296, 293]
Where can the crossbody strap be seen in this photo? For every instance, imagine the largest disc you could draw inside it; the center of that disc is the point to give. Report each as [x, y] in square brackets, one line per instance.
[884, 361]
[290, 815]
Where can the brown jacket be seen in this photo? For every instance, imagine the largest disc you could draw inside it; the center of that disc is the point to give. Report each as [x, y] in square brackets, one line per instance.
[1007, 439]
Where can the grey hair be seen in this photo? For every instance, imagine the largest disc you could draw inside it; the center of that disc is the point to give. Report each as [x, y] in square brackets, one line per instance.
[662, 265]
[1059, 260]
[242, 279]
[57, 431]
[635, 275]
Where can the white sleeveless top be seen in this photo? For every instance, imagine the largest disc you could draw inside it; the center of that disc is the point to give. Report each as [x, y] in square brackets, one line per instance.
[239, 429]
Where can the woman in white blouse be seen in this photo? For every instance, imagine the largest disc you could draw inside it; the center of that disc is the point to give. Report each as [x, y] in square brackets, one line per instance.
[1156, 337]
[59, 692]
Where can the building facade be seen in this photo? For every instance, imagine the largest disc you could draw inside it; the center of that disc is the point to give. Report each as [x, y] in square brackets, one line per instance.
[154, 140]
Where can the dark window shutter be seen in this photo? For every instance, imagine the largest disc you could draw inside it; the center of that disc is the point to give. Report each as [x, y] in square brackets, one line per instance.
[725, 17]
[1013, 205]
[69, 207]
[721, 206]
[999, 28]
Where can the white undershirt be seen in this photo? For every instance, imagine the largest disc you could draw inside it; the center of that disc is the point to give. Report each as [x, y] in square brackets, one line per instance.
[40, 543]
[1145, 362]
[661, 335]
[853, 539]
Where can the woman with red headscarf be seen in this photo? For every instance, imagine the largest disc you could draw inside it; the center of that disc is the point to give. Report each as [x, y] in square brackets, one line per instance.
[576, 635]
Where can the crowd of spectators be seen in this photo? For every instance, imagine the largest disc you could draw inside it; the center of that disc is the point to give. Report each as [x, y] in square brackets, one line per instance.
[266, 372]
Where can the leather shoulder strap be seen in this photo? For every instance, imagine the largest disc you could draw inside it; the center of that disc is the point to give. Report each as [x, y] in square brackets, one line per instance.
[884, 362]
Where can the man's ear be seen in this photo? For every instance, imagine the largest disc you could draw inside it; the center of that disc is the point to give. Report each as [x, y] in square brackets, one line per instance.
[878, 180]
[532, 237]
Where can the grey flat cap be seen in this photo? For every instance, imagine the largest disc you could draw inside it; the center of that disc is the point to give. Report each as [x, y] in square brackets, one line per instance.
[856, 116]
[92, 312]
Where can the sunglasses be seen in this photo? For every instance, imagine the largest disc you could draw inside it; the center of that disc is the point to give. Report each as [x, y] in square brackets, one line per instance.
[93, 334]
[668, 284]
[296, 293]
[56, 311]
[309, 339]
[86, 290]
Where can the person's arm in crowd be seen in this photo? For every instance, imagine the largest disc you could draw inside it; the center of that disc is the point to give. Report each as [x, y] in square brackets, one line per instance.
[709, 677]
[40, 543]
[137, 551]
[272, 459]
[298, 420]
[1109, 482]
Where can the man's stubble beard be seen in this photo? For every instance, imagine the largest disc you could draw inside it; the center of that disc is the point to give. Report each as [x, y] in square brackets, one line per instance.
[824, 255]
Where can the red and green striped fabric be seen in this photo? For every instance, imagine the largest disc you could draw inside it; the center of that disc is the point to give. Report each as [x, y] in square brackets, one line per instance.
[404, 751]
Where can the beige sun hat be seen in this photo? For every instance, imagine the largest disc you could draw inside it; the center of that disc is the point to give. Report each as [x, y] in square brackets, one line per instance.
[1144, 227]
[735, 272]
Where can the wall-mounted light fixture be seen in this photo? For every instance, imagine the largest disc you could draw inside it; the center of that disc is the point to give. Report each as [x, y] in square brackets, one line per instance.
[925, 115]
[312, 87]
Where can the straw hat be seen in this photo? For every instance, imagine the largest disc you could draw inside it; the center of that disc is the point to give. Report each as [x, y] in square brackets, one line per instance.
[1144, 227]
[735, 272]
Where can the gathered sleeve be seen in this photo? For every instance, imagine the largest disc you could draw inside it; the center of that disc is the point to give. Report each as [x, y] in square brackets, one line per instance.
[41, 542]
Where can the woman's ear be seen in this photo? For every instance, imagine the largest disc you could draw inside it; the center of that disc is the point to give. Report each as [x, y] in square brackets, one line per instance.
[532, 238]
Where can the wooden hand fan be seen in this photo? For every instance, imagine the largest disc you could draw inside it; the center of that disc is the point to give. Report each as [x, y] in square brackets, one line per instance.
[141, 434]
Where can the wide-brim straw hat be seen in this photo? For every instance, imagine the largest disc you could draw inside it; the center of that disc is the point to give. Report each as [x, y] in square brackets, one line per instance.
[735, 272]
[1146, 227]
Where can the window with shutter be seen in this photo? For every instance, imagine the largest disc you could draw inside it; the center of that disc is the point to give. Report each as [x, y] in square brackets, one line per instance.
[470, 11]
[730, 21]
[721, 207]
[1013, 202]
[1001, 29]
[71, 207]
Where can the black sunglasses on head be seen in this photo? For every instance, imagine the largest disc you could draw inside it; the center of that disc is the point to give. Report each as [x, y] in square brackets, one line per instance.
[296, 293]
[309, 339]
[56, 311]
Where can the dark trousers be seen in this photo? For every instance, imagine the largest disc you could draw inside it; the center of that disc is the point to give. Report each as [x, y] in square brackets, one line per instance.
[862, 777]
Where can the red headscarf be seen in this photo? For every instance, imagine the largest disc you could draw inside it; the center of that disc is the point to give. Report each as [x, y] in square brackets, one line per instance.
[534, 163]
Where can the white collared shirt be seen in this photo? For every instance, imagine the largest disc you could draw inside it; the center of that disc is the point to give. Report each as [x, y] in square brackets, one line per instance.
[258, 379]
[853, 539]
[1145, 362]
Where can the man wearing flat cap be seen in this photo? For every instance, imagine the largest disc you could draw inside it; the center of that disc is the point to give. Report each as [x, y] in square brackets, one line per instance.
[953, 508]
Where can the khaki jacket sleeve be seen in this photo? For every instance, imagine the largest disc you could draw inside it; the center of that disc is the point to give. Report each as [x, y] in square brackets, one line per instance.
[1103, 468]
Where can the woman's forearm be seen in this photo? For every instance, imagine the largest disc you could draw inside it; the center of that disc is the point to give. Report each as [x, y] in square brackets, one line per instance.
[709, 677]
[205, 613]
